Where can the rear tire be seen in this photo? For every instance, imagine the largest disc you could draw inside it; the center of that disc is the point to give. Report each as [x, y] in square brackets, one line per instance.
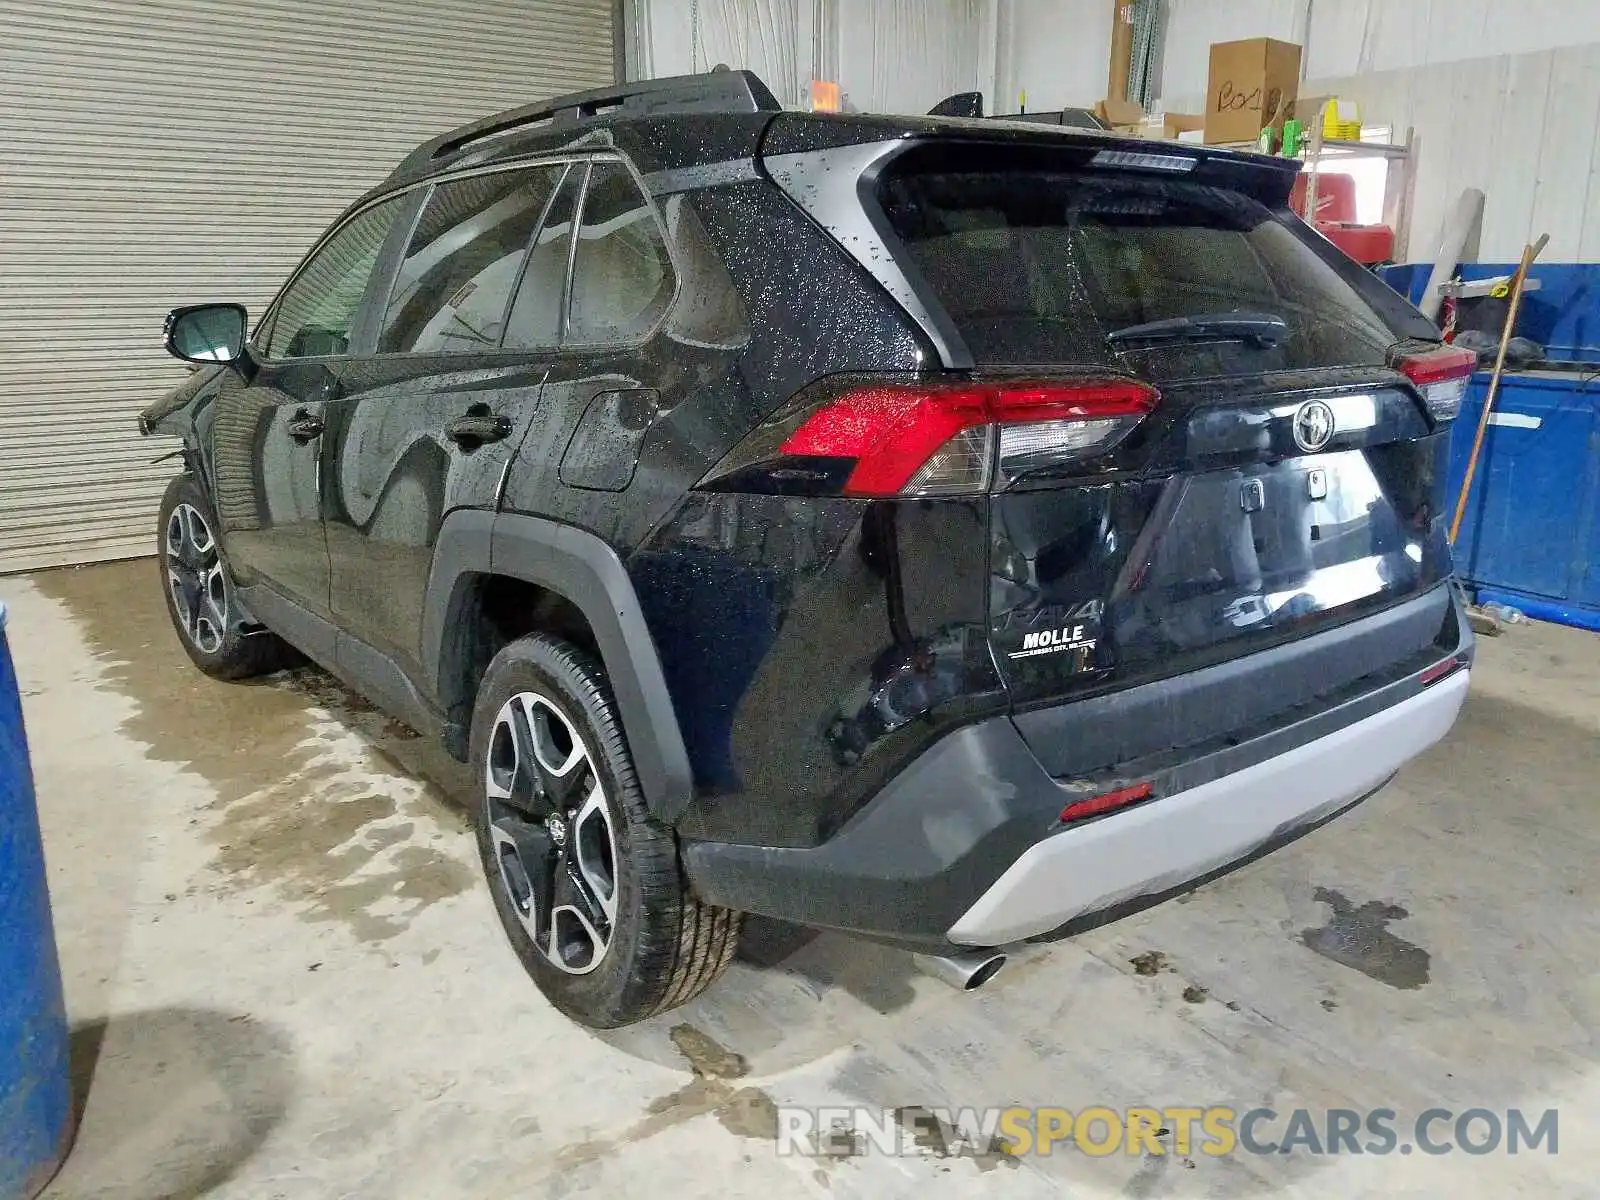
[586, 882]
[200, 591]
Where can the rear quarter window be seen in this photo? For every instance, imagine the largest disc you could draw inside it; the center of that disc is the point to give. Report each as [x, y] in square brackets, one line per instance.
[1040, 267]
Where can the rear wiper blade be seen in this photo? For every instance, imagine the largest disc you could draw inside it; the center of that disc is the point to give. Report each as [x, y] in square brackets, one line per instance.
[1263, 329]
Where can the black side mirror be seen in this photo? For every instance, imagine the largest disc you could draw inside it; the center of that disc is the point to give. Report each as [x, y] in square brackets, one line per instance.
[206, 333]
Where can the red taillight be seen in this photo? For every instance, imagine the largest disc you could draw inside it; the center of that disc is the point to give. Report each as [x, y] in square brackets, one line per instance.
[1094, 806]
[1440, 670]
[1441, 376]
[923, 439]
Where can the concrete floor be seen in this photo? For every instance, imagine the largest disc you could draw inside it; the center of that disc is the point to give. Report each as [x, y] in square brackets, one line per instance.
[286, 980]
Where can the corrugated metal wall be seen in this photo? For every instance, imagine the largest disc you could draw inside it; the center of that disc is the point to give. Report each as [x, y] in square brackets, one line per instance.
[173, 151]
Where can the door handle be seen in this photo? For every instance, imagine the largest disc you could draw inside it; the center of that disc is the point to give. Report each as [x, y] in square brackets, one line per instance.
[304, 426]
[476, 427]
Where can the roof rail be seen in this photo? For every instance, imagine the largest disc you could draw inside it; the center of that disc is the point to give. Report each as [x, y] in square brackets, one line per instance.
[715, 91]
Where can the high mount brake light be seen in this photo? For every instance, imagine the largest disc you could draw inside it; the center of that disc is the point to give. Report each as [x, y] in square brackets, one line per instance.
[1441, 376]
[904, 439]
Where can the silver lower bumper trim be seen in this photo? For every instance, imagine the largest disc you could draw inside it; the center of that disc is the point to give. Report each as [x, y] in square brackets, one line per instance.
[1181, 837]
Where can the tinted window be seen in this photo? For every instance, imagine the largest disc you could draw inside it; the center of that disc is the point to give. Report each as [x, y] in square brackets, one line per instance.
[317, 309]
[463, 260]
[622, 277]
[541, 297]
[1040, 266]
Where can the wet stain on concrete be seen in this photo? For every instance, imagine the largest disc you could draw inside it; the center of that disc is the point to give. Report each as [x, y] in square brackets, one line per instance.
[746, 1112]
[706, 1057]
[319, 796]
[1150, 1179]
[937, 1137]
[1151, 962]
[1358, 936]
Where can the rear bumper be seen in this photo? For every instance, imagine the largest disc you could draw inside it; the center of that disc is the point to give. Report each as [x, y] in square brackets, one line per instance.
[964, 847]
[1149, 849]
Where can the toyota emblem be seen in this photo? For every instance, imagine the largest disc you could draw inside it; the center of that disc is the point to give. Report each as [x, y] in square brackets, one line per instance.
[1313, 425]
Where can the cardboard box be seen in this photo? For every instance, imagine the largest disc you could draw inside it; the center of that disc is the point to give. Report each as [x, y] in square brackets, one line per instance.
[1121, 115]
[1171, 126]
[1251, 83]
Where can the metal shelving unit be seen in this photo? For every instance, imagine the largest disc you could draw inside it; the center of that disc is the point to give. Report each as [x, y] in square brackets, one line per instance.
[1399, 183]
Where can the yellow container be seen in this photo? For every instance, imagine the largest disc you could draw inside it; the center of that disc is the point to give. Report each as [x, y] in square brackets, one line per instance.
[1341, 121]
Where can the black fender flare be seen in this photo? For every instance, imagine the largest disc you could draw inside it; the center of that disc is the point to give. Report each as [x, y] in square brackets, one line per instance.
[587, 571]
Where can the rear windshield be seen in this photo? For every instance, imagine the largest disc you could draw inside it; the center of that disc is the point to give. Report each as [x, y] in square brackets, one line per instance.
[1065, 267]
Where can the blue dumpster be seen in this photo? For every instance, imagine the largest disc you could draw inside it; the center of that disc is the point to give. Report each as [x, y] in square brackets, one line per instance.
[35, 1095]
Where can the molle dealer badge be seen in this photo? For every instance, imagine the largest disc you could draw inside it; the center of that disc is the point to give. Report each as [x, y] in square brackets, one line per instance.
[1055, 634]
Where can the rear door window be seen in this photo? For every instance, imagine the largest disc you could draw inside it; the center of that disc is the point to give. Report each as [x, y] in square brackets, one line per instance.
[622, 277]
[465, 255]
[1166, 278]
[540, 302]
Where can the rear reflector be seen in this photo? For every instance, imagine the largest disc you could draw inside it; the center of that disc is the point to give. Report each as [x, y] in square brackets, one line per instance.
[1106, 802]
[1441, 376]
[1440, 670]
[900, 439]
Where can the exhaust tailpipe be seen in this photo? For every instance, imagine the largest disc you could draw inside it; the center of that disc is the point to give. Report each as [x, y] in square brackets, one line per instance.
[965, 972]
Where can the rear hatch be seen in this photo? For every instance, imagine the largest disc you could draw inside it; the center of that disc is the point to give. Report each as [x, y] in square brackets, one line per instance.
[1244, 434]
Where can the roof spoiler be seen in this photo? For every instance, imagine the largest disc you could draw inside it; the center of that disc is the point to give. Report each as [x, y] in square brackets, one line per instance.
[962, 104]
[717, 91]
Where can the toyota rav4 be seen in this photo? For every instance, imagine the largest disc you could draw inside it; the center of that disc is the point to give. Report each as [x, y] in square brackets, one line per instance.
[953, 532]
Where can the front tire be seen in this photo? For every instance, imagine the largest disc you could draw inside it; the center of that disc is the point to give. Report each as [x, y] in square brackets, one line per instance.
[586, 883]
[200, 593]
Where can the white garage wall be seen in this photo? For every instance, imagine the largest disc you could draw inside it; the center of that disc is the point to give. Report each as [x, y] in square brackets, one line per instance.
[1521, 127]
[1504, 95]
[1192, 25]
[904, 56]
[1351, 37]
[777, 39]
[1058, 51]
[888, 55]
[1356, 37]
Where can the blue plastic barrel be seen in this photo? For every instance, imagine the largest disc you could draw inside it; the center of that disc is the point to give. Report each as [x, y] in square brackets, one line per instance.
[35, 1094]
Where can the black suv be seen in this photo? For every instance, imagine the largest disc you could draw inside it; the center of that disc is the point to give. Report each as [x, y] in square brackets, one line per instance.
[954, 532]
